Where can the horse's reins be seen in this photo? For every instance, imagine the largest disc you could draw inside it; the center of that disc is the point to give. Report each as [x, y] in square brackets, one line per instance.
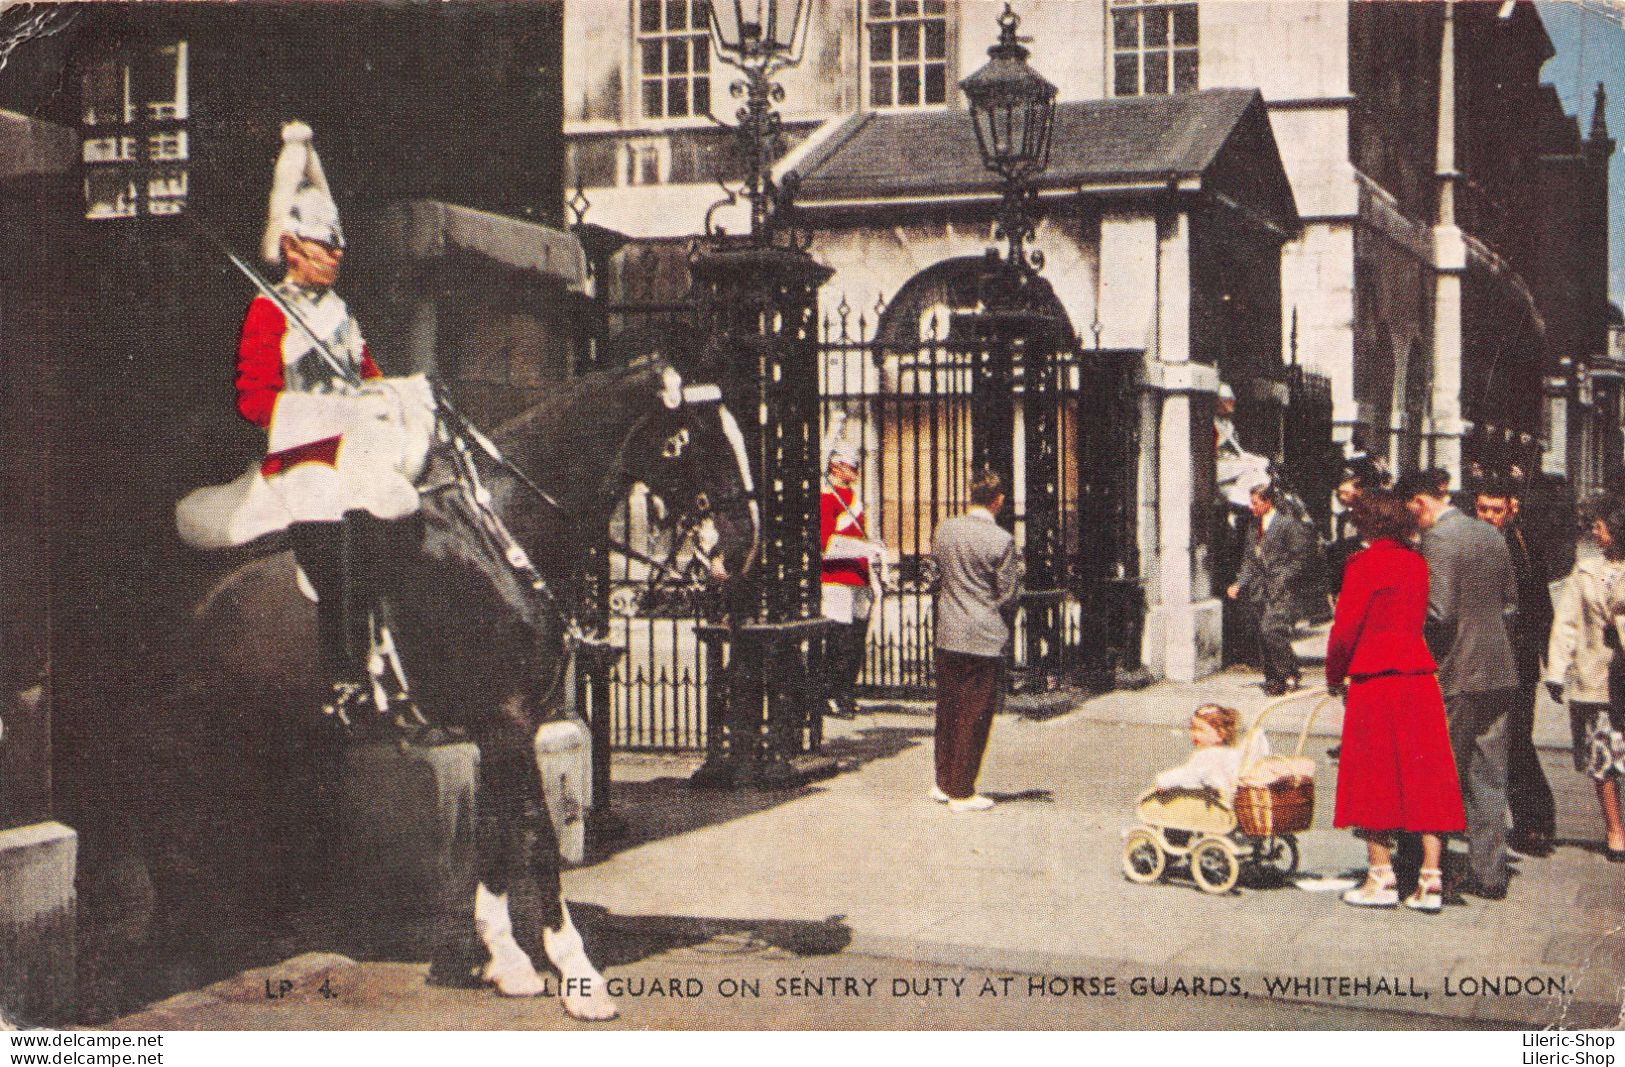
[461, 429]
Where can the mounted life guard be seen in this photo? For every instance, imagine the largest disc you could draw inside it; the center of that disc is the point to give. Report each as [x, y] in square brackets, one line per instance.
[344, 442]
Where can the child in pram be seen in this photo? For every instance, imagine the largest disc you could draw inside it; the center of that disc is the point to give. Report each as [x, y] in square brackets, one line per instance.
[1216, 762]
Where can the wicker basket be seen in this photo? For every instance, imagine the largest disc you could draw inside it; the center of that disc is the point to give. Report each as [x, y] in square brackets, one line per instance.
[1276, 794]
[1284, 806]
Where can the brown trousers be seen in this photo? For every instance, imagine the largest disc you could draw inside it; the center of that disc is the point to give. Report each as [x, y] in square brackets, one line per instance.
[970, 689]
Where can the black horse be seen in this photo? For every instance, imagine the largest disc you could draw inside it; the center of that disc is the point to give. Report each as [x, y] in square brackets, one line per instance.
[482, 646]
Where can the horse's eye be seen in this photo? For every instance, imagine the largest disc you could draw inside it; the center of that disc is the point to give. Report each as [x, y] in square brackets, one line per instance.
[675, 444]
[702, 502]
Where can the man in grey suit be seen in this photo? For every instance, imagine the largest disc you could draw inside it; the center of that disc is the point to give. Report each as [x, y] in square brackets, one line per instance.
[1472, 601]
[978, 580]
[1274, 566]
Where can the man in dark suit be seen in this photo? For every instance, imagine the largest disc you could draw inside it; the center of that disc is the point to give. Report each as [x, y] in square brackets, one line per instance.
[1472, 600]
[1279, 552]
[1534, 816]
[978, 580]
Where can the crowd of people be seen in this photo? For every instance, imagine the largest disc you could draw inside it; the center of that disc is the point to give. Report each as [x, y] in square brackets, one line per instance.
[1446, 625]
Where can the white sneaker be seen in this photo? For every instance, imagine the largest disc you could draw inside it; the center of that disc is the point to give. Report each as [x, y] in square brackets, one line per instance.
[938, 795]
[976, 802]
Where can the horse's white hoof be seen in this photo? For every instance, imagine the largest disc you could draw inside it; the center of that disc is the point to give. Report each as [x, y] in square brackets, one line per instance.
[593, 1006]
[515, 980]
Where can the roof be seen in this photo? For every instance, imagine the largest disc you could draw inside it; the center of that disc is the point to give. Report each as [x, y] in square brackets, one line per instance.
[1101, 144]
[30, 147]
[430, 229]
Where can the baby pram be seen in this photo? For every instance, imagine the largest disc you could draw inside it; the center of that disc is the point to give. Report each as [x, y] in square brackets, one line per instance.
[1217, 839]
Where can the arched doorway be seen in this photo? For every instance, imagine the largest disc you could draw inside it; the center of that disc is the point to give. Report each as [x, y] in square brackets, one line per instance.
[933, 392]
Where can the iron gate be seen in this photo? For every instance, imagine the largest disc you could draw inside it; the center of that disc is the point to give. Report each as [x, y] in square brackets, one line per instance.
[1060, 425]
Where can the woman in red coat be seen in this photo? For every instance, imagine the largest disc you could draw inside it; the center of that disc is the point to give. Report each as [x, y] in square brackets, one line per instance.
[1397, 772]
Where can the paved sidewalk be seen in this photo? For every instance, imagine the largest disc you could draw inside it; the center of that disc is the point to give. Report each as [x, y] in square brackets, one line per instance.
[865, 865]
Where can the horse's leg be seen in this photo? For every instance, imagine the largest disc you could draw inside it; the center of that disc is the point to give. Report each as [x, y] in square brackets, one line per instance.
[514, 791]
[502, 795]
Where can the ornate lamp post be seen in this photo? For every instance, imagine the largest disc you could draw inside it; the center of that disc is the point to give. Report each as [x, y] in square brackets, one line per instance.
[1012, 109]
[757, 298]
[759, 37]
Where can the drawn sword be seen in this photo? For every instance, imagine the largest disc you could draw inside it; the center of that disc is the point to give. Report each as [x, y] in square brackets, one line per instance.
[341, 368]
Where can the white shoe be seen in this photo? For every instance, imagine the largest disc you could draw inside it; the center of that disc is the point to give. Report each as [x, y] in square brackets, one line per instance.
[976, 802]
[1378, 890]
[938, 795]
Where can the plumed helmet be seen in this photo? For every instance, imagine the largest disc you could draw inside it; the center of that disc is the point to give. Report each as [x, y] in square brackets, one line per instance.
[845, 452]
[301, 202]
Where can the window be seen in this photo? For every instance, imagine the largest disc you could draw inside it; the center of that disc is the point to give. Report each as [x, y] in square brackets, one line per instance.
[646, 163]
[134, 113]
[908, 53]
[1153, 47]
[674, 57]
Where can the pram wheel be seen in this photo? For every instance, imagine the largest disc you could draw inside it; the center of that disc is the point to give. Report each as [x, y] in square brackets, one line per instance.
[1278, 854]
[1143, 858]
[1214, 865]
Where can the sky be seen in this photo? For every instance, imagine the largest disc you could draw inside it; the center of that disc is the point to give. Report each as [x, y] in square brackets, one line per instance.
[1589, 36]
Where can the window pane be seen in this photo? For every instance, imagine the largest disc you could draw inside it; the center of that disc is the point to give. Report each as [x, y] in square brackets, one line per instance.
[649, 16]
[701, 17]
[653, 103]
[1185, 25]
[702, 54]
[702, 96]
[879, 9]
[651, 57]
[908, 85]
[677, 97]
[880, 87]
[907, 8]
[936, 7]
[880, 43]
[936, 40]
[104, 93]
[1126, 76]
[676, 14]
[1156, 73]
[1125, 28]
[109, 194]
[936, 84]
[908, 41]
[1185, 72]
[677, 56]
[1157, 25]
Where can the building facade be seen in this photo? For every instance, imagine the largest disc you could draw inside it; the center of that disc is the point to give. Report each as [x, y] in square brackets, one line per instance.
[1406, 272]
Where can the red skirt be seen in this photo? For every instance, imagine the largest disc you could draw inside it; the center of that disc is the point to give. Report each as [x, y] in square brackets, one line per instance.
[1397, 771]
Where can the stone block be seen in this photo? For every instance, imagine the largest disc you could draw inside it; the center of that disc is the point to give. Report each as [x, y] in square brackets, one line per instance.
[406, 862]
[37, 914]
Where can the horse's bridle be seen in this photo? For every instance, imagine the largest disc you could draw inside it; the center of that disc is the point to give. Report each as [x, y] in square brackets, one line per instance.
[457, 430]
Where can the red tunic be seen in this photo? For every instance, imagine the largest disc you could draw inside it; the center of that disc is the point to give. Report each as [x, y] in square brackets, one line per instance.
[1396, 771]
[264, 372]
[839, 514]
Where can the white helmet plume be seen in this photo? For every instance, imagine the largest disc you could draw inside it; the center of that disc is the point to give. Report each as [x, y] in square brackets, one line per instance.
[301, 202]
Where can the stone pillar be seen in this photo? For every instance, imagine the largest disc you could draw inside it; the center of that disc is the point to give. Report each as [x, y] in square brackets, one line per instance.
[406, 862]
[758, 304]
[37, 915]
[1183, 635]
[1444, 429]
